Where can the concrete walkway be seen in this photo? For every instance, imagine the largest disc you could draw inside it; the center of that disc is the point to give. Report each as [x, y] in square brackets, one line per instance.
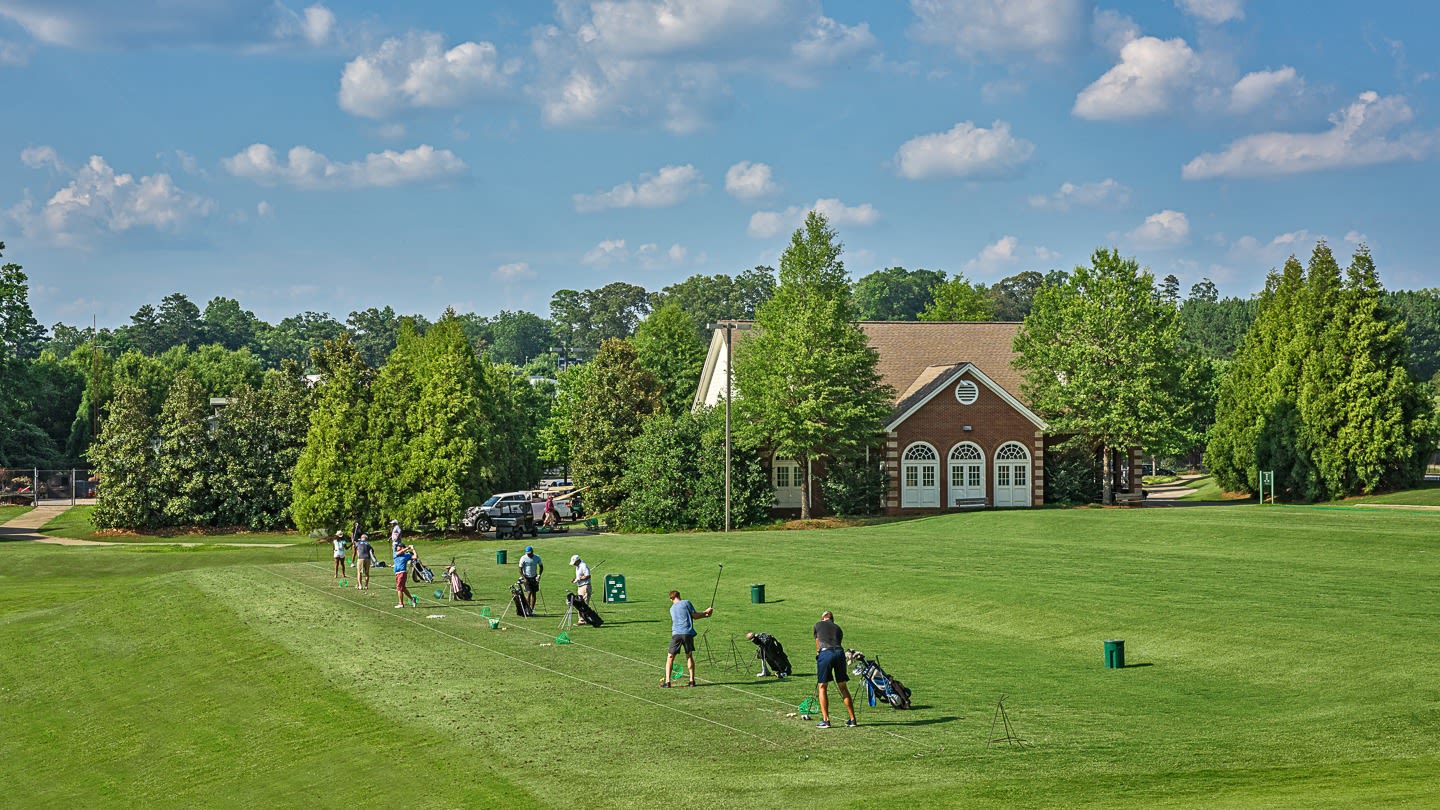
[1167, 494]
[25, 528]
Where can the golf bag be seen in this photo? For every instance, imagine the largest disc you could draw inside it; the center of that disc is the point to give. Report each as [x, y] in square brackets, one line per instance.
[586, 612]
[459, 588]
[877, 683]
[772, 652]
[419, 572]
[517, 596]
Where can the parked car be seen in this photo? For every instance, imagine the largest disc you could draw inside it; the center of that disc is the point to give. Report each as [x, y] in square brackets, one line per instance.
[483, 517]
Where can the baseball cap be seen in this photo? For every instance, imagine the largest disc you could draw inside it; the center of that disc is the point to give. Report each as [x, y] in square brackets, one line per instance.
[575, 559]
[394, 522]
[529, 549]
[339, 534]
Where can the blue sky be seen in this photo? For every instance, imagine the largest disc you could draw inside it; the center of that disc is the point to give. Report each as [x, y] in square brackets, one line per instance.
[338, 156]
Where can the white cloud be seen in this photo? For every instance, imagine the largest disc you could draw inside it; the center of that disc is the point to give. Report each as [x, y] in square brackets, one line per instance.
[965, 151]
[1249, 250]
[417, 72]
[1263, 86]
[608, 252]
[514, 271]
[1161, 230]
[264, 209]
[37, 157]
[1359, 136]
[1112, 30]
[999, 29]
[244, 24]
[1356, 238]
[307, 169]
[669, 62]
[98, 200]
[750, 181]
[669, 186]
[1213, 11]
[1149, 77]
[1106, 193]
[1003, 254]
[765, 224]
[13, 53]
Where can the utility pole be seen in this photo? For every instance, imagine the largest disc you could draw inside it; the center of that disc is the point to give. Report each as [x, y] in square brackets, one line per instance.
[729, 327]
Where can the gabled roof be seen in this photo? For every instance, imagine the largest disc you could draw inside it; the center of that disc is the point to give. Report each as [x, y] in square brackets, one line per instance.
[912, 355]
[941, 378]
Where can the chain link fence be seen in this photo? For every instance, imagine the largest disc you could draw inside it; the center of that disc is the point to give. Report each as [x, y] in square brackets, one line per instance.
[34, 487]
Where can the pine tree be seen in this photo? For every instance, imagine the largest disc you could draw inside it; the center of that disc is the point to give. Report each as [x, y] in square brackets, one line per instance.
[328, 489]
[616, 398]
[187, 463]
[260, 436]
[806, 379]
[124, 459]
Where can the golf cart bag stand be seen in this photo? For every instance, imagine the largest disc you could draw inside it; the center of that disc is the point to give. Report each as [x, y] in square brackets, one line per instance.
[772, 652]
[582, 607]
[878, 684]
[517, 596]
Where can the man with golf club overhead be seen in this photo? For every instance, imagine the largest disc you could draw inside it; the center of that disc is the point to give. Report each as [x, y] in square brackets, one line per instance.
[682, 635]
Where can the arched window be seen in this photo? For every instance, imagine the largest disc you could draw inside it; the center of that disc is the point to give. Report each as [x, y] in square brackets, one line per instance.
[920, 476]
[1012, 475]
[967, 472]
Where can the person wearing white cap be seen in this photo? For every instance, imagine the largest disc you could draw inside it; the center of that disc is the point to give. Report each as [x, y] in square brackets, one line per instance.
[581, 580]
[395, 544]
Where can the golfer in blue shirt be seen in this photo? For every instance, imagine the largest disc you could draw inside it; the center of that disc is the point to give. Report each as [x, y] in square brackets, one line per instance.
[682, 636]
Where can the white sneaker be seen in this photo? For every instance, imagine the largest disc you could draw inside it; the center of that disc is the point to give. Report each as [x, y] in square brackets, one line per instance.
[399, 606]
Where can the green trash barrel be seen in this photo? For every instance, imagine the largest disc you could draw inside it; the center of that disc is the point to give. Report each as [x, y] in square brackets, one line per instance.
[500, 556]
[757, 594]
[1115, 653]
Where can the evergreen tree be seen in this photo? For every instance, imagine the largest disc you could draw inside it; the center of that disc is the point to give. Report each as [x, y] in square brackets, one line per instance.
[260, 436]
[806, 378]
[328, 488]
[187, 463]
[661, 473]
[1101, 359]
[124, 459]
[669, 347]
[615, 399]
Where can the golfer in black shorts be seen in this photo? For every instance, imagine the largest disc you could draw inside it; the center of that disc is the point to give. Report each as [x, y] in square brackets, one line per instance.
[830, 663]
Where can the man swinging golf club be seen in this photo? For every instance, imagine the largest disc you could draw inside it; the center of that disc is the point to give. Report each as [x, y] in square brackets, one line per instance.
[830, 663]
[682, 636]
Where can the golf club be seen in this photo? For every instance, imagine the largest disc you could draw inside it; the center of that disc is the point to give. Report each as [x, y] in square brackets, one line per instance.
[717, 585]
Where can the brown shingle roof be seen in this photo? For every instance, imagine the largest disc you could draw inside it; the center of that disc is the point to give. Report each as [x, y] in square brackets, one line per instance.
[910, 351]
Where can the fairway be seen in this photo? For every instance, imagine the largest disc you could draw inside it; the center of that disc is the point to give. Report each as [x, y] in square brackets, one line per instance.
[1277, 656]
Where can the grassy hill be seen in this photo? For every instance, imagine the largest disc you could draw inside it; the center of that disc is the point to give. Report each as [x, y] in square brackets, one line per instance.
[1277, 657]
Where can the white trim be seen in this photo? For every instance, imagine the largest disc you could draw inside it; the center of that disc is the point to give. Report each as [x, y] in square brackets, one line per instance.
[1008, 466]
[984, 380]
[951, 463]
[928, 497]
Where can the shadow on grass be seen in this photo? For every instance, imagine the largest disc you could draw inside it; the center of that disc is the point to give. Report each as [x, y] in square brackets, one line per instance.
[929, 721]
[1137, 666]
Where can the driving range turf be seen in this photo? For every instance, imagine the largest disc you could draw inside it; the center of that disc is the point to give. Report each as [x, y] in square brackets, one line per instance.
[1277, 656]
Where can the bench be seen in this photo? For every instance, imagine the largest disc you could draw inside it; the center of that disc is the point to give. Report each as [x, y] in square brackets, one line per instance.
[969, 503]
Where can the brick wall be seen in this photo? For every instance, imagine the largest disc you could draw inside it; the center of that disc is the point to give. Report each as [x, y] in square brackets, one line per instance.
[993, 422]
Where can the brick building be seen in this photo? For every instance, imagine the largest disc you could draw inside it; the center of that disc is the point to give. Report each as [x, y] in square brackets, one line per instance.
[960, 434]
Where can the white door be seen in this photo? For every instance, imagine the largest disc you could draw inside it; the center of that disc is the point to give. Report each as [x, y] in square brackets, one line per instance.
[785, 475]
[1012, 475]
[920, 477]
[967, 472]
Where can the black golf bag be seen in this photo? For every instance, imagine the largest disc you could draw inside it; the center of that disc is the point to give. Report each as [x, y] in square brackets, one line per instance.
[772, 652]
[877, 683]
[586, 612]
[517, 596]
[419, 572]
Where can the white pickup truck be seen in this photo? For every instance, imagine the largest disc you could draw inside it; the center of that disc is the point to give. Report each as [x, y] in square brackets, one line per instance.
[481, 517]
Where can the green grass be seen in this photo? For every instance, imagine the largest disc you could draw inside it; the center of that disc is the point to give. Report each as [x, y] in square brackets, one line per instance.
[1206, 490]
[76, 523]
[1279, 657]
[9, 512]
[1428, 494]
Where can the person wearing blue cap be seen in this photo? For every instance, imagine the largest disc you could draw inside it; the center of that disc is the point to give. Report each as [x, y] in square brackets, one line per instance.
[530, 570]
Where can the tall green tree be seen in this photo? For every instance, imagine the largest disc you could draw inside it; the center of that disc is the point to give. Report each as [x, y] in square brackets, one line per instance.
[959, 299]
[806, 378]
[895, 294]
[328, 489]
[617, 395]
[123, 456]
[187, 464]
[1100, 357]
[1014, 295]
[22, 442]
[225, 322]
[668, 346]
[259, 437]
[518, 337]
